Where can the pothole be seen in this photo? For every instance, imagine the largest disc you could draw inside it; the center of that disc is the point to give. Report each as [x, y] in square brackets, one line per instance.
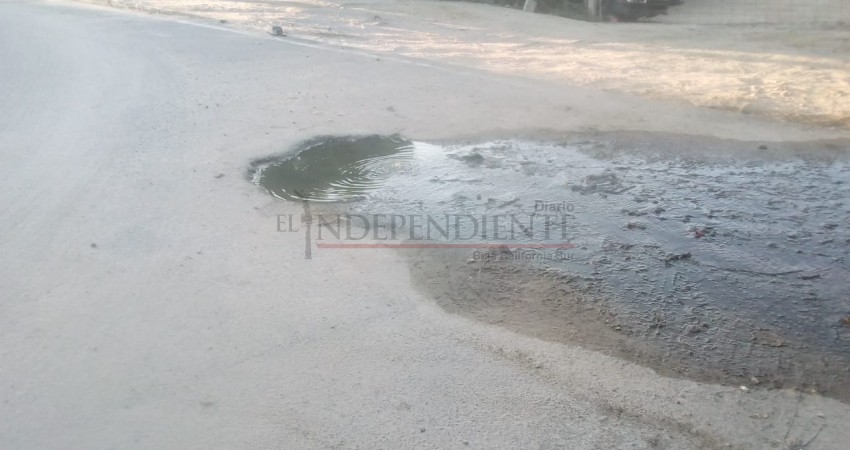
[333, 169]
[724, 266]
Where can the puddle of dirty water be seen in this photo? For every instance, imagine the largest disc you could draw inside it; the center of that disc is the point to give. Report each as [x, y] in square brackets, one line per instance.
[724, 269]
[333, 169]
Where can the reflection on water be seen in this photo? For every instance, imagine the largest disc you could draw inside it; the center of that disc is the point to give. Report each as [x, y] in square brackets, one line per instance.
[334, 169]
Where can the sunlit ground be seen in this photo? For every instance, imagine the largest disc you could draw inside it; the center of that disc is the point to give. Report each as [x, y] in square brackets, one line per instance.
[795, 72]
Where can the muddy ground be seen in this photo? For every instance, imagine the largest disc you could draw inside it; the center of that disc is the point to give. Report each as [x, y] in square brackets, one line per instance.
[713, 346]
[718, 260]
[726, 263]
[150, 302]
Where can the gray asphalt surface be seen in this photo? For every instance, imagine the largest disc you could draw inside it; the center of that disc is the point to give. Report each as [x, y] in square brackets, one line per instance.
[149, 302]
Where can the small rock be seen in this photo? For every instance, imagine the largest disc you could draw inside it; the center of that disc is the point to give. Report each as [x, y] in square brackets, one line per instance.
[676, 257]
[472, 158]
[93, 245]
[762, 147]
[219, 175]
[694, 329]
[745, 389]
[277, 31]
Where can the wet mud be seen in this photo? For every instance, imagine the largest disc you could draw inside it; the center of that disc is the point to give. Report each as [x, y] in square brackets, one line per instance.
[722, 261]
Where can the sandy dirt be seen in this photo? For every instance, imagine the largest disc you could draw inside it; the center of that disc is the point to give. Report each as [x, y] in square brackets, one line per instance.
[150, 302]
[792, 71]
[760, 12]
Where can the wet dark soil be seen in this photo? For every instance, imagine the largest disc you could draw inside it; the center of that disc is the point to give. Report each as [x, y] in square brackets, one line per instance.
[717, 347]
[722, 261]
[716, 260]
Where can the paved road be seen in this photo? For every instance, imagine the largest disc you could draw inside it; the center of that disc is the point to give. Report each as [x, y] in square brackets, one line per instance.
[148, 301]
